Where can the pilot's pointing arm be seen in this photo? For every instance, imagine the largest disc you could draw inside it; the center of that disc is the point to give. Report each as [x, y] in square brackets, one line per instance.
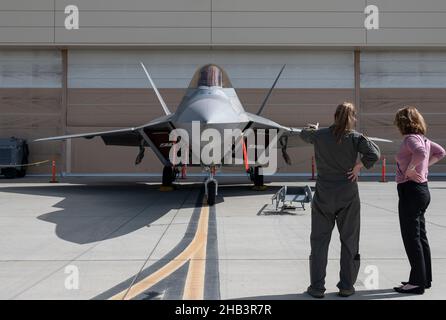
[308, 134]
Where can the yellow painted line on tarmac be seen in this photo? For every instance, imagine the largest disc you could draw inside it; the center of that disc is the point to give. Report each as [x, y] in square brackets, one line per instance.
[194, 287]
[195, 252]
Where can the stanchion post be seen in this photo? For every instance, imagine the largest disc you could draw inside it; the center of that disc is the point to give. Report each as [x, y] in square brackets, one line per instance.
[383, 170]
[183, 172]
[313, 169]
[53, 172]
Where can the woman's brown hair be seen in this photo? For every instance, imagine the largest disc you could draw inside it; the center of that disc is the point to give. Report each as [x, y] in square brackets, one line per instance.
[410, 121]
[345, 120]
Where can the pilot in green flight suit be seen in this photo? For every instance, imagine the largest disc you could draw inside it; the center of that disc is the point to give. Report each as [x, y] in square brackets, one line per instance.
[336, 200]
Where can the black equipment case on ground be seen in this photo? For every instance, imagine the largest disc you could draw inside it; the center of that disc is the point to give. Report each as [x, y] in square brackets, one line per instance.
[13, 155]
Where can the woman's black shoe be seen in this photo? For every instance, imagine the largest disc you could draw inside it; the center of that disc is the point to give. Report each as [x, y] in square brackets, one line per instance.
[416, 290]
[425, 287]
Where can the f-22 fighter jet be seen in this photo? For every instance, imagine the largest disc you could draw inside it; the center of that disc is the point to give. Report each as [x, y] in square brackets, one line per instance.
[211, 102]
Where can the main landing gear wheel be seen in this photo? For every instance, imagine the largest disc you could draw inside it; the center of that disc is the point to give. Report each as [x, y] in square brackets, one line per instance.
[212, 190]
[257, 178]
[169, 174]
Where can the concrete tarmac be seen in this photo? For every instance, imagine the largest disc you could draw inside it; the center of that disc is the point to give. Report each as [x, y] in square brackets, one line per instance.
[118, 238]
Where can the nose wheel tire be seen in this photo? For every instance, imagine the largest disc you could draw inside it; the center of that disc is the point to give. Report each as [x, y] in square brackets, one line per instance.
[212, 190]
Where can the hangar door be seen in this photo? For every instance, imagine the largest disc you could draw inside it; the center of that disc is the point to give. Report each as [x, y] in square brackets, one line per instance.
[107, 89]
[30, 100]
[391, 80]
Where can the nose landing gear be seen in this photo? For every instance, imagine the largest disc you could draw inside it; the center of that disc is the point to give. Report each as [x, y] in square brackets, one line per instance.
[211, 186]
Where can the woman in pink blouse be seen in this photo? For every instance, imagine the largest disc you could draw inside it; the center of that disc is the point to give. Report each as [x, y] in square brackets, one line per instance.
[415, 156]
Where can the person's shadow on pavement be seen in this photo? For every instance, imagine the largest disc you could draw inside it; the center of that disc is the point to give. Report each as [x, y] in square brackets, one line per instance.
[379, 294]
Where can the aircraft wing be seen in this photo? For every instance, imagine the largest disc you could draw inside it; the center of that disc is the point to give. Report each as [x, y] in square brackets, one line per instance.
[294, 140]
[90, 135]
[259, 122]
[154, 134]
[289, 137]
[292, 134]
[116, 137]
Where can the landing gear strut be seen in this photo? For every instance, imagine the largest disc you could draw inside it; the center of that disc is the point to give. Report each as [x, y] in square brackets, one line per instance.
[211, 186]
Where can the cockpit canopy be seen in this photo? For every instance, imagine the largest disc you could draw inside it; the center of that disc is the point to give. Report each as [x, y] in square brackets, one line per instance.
[210, 75]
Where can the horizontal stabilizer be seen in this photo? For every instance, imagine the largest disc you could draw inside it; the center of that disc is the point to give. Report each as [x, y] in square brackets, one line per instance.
[380, 140]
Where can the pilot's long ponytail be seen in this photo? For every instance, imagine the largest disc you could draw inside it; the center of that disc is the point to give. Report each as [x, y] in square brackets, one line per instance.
[345, 120]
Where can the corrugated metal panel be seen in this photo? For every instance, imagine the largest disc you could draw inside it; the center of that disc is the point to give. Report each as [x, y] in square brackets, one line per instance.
[30, 69]
[140, 19]
[403, 69]
[174, 69]
[409, 5]
[26, 19]
[287, 20]
[137, 5]
[409, 23]
[412, 20]
[224, 22]
[288, 5]
[407, 37]
[141, 36]
[25, 35]
[27, 5]
[288, 36]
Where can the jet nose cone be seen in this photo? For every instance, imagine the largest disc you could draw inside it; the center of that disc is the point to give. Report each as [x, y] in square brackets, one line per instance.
[210, 115]
[205, 114]
[210, 111]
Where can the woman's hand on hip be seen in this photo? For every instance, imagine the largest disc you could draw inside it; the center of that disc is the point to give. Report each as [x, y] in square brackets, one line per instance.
[411, 174]
[353, 174]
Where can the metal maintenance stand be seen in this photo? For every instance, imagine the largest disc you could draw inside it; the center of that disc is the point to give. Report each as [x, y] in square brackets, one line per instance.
[286, 196]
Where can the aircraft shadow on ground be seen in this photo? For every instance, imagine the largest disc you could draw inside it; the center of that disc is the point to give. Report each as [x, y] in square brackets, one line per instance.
[90, 213]
[98, 212]
[378, 294]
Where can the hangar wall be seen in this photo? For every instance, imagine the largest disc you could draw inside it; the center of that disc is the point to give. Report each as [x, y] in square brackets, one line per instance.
[106, 89]
[223, 22]
[55, 81]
